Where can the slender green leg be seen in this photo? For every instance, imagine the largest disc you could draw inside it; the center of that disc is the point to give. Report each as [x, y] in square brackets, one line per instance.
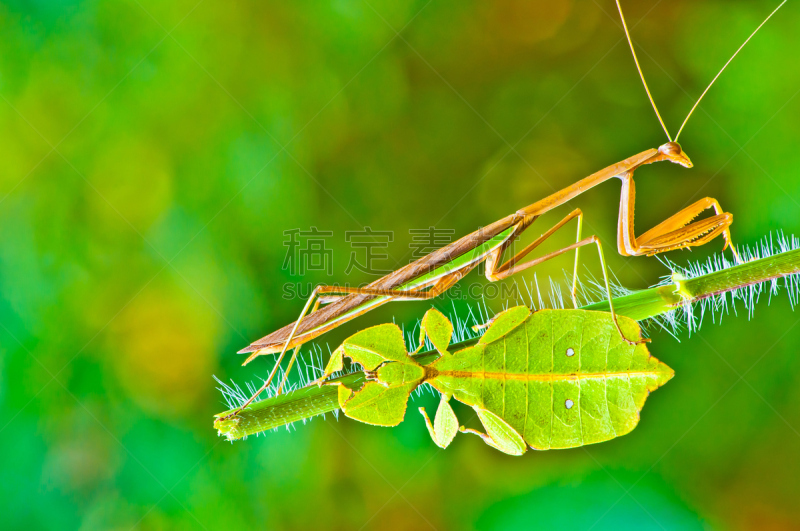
[577, 256]
[499, 434]
[510, 267]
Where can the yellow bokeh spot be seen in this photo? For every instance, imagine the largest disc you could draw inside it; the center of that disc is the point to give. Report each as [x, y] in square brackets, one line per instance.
[164, 344]
[133, 180]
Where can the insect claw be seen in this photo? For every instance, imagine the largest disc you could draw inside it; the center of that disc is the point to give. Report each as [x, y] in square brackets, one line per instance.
[252, 356]
[634, 343]
[230, 416]
[736, 255]
[487, 324]
[319, 382]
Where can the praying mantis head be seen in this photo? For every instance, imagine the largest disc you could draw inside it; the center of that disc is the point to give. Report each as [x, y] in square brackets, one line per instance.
[672, 152]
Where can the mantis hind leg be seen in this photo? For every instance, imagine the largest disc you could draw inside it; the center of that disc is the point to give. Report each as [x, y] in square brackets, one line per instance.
[436, 288]
[676, 232]
[509, 268]
[499, 433]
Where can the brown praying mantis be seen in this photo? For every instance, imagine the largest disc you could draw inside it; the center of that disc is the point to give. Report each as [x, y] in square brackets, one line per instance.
[432, 275]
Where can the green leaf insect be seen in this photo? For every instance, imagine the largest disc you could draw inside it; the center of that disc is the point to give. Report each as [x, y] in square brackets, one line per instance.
[549, 379]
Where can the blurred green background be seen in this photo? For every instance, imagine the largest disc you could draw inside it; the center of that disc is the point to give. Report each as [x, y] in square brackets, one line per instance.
[153, 154]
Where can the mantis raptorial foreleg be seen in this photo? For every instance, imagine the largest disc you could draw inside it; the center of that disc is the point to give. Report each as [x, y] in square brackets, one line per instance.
[499, 434]
[676, 232]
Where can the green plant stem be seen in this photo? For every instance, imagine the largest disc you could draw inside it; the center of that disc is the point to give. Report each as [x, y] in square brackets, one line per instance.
[652, 302]
[311, 401]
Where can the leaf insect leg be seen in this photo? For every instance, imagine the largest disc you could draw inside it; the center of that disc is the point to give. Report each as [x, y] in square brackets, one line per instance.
[445, 424]
[439, 286]
[499, 434]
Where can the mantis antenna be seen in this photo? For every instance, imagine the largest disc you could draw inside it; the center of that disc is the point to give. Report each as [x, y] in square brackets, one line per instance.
[641, 75]
[720, 72]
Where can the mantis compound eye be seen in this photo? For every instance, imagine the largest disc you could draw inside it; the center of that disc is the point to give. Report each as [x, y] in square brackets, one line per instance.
[673, 151]
[671, 148]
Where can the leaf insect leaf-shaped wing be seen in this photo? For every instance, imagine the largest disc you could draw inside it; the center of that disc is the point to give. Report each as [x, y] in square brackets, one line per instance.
[382, 352]
[438, 328]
